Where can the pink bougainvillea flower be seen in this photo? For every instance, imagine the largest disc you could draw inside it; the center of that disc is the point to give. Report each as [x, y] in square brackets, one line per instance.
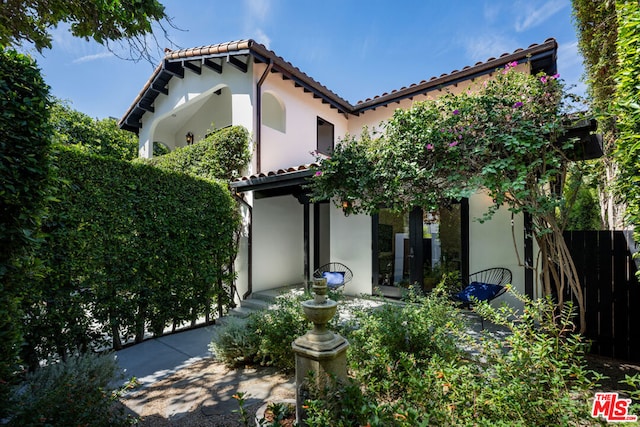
[318, 173]
[429, 146]
[518, 104]
[556, 76]
[456, 112]
[453, 144]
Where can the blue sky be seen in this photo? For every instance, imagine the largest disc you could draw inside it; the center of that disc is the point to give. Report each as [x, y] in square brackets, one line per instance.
[358, 49]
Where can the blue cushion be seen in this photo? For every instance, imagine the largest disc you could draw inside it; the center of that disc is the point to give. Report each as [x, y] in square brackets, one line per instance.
[482, 291]
[334, 278]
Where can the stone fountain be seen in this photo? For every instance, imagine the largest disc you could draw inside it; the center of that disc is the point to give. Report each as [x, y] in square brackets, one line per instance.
[320, 351]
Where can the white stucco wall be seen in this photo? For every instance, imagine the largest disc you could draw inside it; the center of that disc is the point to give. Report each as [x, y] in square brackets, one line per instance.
[185, 101]
[278, 242]
[491, 244]
[215, 113]
[351, 245]
[373, 118]
[241, 264]
[294, 147]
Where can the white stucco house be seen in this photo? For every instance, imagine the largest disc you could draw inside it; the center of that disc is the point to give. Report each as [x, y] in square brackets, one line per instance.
[290, 115]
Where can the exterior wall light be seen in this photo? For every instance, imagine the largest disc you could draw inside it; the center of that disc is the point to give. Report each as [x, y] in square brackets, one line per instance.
[346, 205]
[189, 138]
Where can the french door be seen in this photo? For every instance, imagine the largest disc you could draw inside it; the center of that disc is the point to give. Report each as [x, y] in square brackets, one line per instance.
[414, 249]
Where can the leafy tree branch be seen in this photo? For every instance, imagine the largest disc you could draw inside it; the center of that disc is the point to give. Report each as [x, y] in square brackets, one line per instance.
[505, 138]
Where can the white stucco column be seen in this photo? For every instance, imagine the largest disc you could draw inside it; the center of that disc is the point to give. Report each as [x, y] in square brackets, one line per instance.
[242, 111]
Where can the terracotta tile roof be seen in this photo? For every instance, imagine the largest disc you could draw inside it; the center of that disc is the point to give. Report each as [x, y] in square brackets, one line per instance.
[215, 49]
[162, 74]
[173, 64]
[520, 55]
[279, 172]
[294, 174]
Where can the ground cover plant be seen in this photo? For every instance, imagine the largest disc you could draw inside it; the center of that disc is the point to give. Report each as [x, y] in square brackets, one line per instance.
[78, 391]
[420, 364]
[265, 337]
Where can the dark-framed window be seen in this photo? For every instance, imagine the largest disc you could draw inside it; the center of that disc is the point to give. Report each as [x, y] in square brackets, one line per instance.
[325, 133]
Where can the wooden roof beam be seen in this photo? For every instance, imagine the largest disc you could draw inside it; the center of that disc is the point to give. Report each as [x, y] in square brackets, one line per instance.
[193, 67]
[159, 88]
[146, 106]
[174, 68]
[242, 66]
[212, 65]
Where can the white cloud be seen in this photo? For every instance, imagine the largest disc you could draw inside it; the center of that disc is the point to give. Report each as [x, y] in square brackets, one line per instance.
[256, 14]
[569, 55]
[262, 38]
[62, 38]
[94, 57]
[487, 45]
[258, 9]
[491, 12]
[530, 15]
[571, 68]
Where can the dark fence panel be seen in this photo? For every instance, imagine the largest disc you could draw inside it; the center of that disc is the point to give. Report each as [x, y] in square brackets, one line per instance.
[607, 271]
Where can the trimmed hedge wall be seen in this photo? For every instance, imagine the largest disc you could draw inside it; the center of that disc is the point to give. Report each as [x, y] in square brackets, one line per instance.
[24, 172]
[138, 247]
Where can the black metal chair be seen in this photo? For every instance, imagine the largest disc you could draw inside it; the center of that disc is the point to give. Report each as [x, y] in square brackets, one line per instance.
[337, 275]
[484, 285]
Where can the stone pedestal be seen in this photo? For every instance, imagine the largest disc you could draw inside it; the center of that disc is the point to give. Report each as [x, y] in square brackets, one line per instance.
[320, 354]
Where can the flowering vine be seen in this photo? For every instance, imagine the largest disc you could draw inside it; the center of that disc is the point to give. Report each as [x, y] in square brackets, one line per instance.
[502, 138]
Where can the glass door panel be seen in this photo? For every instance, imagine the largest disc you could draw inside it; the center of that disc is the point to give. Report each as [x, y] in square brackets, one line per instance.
[393, 252]
[415, 249]
[442, 243]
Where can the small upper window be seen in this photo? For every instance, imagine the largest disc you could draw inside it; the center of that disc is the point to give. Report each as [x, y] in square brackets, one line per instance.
[325, 137]
[273, 113]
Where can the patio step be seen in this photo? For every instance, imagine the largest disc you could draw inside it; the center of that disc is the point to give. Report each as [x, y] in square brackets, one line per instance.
[261, 300]
[255, 303]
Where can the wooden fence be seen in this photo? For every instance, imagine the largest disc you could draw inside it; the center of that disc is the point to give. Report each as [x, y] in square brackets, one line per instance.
[611, 290]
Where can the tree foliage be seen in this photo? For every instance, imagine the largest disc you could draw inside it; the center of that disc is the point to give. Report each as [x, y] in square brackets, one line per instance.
[99, 136]
[628, 108]
[597, 32]
[505, 138]
[103, 21]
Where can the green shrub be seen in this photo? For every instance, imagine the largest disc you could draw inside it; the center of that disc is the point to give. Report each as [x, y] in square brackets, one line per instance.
[418, 365]
[131, 249]
[344, 404]
[101, 137]
[25, 138]
[222, 154]
[266, 336]
[235, 343]
[277, 328]
[74, 392]
[536, 375]
[389, 335]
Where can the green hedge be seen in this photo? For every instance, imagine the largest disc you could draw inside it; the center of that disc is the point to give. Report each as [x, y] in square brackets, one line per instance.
[223, 154]
[24, 171]
[138, 247]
